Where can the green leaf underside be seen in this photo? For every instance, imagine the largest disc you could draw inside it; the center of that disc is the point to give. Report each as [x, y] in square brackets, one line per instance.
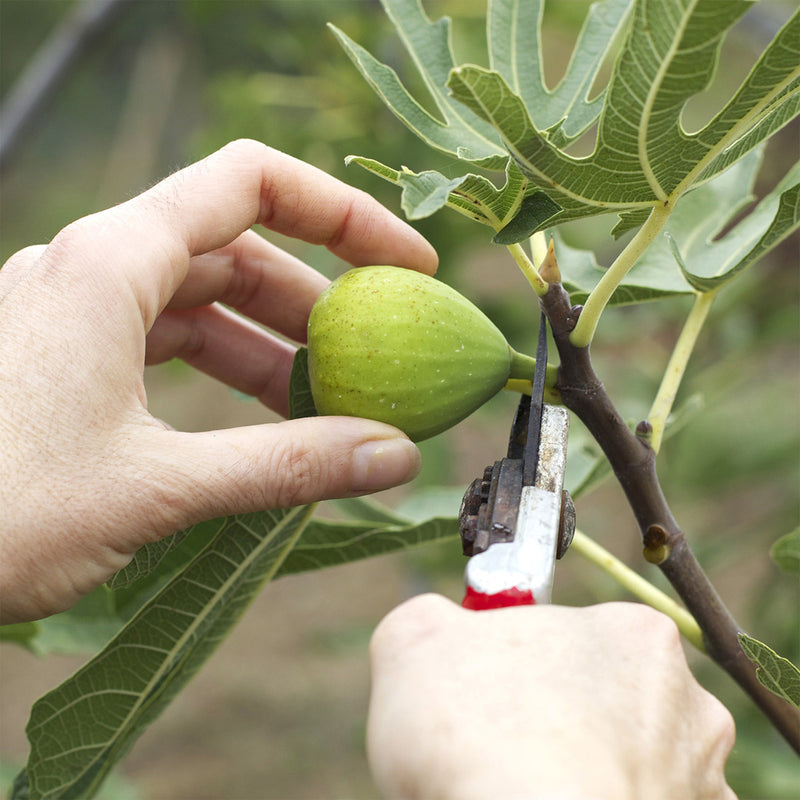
[643, 155]
[786, 552]
[655, 276]
[456, 132]
[81, 729]
[534, 213]
[767, 99]
[775, 672]
[689, 256]
[301, 402]
[707, 263]
[327, 543]
[515, 47]
[146, 559]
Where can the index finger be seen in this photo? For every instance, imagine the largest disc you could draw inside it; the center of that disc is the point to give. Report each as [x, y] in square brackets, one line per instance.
[208, 204]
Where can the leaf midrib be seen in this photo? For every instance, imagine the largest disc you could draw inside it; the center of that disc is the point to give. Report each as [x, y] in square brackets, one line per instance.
[647, 107]
[737, 131]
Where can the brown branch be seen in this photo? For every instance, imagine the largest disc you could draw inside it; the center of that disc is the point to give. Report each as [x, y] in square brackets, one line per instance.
[665, 544]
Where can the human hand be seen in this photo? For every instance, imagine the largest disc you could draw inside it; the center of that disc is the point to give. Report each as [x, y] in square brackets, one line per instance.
[88, 475]
[541, 702]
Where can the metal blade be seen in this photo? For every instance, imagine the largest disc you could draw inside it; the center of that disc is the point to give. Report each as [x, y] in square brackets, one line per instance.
[537, 403]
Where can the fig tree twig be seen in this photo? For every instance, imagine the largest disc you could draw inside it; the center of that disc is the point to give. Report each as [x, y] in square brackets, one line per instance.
[633, 461]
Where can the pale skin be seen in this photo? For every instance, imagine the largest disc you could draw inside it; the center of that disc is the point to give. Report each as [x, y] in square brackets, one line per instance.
[541, 703]
[88, 475]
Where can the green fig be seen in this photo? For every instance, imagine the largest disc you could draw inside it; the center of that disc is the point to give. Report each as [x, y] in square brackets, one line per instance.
[400, 347]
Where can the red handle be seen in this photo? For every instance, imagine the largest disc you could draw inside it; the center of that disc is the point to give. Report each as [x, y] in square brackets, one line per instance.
[478, 601]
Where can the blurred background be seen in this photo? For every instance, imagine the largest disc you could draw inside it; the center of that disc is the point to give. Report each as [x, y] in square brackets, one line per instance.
[279, 710]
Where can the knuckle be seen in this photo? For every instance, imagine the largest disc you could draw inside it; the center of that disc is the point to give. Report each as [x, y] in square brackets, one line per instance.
[70, 238]
[72, 253]
[658, 626]
[244, 149]
[24, 258]
[664, 629]
[411, 623]
[725, 727]
[650, 625]
[298, 475]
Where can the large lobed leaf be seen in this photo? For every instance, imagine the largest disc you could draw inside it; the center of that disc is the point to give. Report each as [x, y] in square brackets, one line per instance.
[643, 155]
[691, 255]
[456, 131]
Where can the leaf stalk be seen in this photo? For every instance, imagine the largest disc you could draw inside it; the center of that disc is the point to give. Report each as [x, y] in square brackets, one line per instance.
[676, 368]
[583, 332]
[639, 587]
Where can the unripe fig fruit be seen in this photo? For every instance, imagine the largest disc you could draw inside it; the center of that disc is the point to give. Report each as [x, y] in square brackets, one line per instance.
[397, 346]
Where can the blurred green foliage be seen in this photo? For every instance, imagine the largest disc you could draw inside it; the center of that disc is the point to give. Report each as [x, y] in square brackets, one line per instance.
[169, 82]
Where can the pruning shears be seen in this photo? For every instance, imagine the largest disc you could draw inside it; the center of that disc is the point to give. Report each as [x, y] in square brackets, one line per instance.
[517, 519]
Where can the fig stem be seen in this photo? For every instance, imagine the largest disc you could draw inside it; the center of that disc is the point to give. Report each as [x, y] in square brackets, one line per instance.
[522, 367]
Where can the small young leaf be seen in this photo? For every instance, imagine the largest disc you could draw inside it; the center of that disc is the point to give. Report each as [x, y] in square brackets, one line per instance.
[472, 195]
[775, 672]
[415, 194]
[425, 193]
[534, 212]
[786, 552]
[301, 403]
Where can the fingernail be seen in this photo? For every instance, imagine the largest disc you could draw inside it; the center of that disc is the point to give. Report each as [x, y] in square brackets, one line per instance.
[384, 463]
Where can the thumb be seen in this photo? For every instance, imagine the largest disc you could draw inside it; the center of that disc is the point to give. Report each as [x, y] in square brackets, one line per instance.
[198, 476]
